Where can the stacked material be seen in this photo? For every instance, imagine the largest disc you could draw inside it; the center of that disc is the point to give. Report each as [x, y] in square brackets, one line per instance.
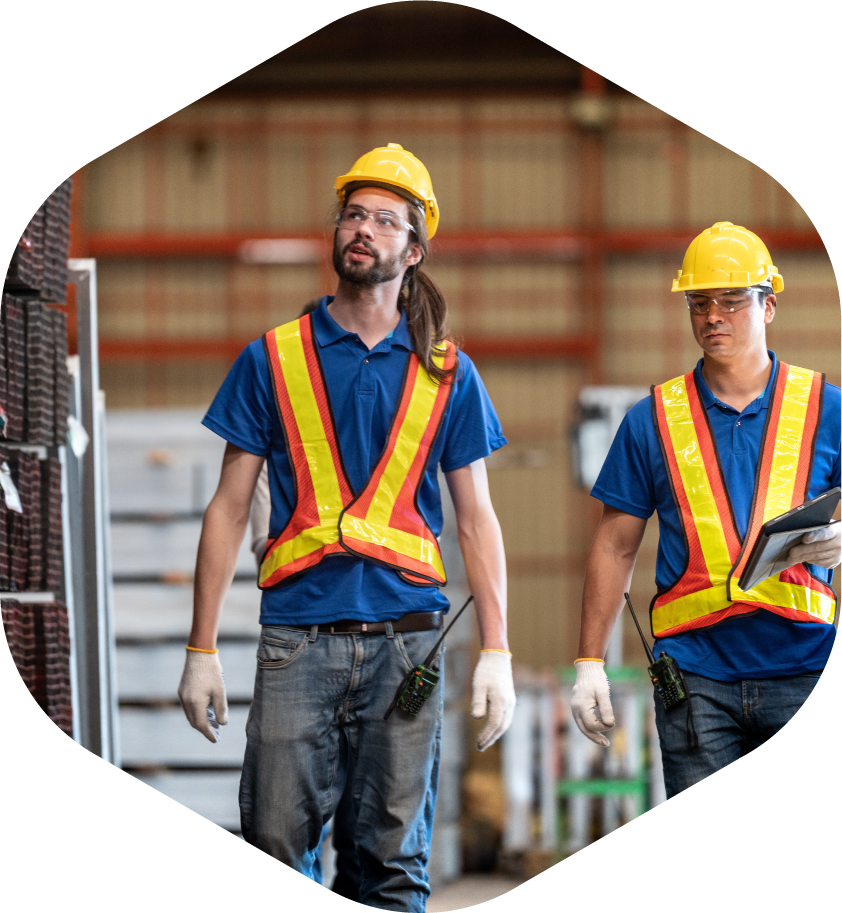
[55, 244]
[31, 561]
[33, 371]
[26, 271]
[31, 544]
[13, 343]
[5, 567]
[39, 641]
[34, 390]
[39, 263]
[51, 525]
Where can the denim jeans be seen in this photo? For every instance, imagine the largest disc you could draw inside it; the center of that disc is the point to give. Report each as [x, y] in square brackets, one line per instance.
[731, 719]
[316, 727]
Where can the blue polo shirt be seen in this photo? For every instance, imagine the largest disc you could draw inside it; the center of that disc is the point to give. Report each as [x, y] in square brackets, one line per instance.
[635, 479]
[364, 387]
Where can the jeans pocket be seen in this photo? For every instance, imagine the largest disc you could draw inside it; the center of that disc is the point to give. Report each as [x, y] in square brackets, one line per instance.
[278, 647]
[415, 646]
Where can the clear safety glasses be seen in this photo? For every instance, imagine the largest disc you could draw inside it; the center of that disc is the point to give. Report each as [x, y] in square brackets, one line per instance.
[383, 222]
[727, 300]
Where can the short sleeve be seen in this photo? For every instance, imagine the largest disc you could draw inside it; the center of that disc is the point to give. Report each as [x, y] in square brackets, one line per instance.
[625, 480]
[473, 430]
[243, 410]
[831, 431]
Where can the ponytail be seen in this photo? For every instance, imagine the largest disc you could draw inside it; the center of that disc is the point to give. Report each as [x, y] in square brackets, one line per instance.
[425, 307]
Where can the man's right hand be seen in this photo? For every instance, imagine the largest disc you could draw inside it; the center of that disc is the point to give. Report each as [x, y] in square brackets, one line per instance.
[202, 685]
[591, 704]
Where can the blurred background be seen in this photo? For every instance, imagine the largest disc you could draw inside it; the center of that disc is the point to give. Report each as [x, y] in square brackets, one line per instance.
[567, 204]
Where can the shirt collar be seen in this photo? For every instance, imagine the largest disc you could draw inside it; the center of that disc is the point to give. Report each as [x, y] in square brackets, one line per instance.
[762, 402]
[328, 331]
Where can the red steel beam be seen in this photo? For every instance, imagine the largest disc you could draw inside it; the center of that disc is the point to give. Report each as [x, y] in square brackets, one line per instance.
[669, 240]
[227, 349]
[485, 245]
[592, 82]
[501, 347]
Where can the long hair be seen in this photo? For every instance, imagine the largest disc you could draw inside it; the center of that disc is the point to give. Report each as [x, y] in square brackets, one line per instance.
[420, 298]
[425, 307]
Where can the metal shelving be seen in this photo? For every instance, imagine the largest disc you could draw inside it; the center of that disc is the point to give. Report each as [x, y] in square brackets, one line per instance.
[86, 535]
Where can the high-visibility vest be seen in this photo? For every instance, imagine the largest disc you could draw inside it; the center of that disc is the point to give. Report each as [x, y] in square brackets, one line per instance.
[382, 522]
[708, 591]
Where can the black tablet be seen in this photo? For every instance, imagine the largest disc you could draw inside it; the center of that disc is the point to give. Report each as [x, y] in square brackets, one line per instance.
[769, 556]
[817, 512]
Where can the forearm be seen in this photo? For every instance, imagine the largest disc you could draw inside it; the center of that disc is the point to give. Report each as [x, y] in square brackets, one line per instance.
[485, 565]
[216, 561]
[607, 578]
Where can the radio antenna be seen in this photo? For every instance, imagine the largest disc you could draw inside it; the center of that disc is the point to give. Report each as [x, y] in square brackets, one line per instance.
[432, 653]
[646, 645]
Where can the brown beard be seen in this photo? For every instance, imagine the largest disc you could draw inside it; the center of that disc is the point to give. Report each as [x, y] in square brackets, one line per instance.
[367, 275]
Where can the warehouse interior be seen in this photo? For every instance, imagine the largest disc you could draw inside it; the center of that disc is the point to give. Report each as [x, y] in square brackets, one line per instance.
[567, 204]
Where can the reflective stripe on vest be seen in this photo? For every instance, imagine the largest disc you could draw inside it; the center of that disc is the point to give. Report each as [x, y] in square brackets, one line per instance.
[708, 590]
[383, 523]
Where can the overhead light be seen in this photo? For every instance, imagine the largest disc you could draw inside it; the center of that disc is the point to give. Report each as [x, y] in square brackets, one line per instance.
[590, 111]
[280, 250]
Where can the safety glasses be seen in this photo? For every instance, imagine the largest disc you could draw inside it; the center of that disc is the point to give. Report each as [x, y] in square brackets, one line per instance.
[727, 300]
[383, 222]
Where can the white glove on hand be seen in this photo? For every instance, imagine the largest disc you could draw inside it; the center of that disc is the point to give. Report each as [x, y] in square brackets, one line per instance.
[202, 685]
[494, 692]
[591, 704]
[822, 547]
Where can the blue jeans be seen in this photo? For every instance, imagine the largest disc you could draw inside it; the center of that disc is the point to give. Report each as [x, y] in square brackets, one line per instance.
[731, 719]
[316, 735]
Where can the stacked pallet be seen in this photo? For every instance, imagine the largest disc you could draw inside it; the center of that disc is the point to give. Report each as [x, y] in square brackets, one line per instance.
[39, 263]
[13, 344]
[39, 641]
[33, 371]
[31, 543]
[34, 390]
[55, 244]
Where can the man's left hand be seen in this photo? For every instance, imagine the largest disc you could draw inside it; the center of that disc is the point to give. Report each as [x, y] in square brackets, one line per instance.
[494, 692]
[822, 547]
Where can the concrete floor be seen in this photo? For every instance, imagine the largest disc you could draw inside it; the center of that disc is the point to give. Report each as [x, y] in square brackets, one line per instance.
[468, 891]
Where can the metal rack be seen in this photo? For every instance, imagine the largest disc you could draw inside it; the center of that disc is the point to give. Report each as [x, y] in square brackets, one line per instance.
[86, 536]
[626, 779]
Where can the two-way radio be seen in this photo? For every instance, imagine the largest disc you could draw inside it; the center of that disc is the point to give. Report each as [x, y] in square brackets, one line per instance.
[420, 682]
[665, 672]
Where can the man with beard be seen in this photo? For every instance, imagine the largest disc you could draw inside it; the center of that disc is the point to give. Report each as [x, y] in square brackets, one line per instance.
[354, 407]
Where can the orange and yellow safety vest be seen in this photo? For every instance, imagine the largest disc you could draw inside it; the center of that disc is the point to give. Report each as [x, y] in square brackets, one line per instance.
[382, 523]
[708, 591]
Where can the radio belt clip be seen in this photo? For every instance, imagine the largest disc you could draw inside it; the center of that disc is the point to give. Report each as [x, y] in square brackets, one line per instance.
[420, 682]
[668, 681]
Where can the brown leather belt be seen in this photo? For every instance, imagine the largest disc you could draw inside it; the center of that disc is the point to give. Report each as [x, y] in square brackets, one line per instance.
[414, 621]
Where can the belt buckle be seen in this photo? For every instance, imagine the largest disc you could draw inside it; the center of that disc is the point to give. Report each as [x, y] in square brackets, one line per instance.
[363, 629]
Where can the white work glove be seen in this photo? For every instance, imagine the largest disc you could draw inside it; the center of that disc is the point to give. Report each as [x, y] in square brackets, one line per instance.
[494, 693]
[822, 547]
[591, 704]
[202, 685]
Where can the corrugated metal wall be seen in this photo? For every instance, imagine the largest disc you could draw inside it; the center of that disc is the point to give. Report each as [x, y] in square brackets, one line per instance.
[224, 168]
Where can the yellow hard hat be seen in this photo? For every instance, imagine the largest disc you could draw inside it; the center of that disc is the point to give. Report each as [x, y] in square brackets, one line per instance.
[727, 256]
[394, 166]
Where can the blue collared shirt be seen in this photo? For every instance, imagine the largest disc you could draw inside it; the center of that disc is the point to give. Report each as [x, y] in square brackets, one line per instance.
[363, 386]
[635, 480]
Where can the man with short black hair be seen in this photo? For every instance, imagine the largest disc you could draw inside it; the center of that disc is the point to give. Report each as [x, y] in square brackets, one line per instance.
[716, 453]
[353, 408]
